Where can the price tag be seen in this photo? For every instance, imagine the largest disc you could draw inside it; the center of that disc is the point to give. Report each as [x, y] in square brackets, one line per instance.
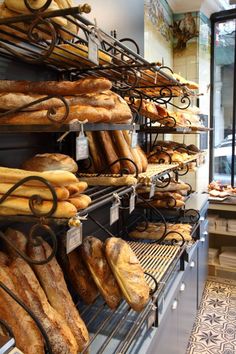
[15, 351]
[151, 319]
[134, 139]
[82, 148]
[73, 238]
[93, 49]
[114, 213]
[132, 203]
[152, 190]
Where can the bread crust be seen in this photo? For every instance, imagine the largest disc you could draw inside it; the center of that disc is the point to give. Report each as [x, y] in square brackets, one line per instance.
[50, 162]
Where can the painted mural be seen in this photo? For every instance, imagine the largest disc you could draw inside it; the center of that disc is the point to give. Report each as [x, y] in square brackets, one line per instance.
[185, 33]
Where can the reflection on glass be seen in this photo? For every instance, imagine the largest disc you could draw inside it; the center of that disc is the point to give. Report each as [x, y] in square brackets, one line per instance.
[223, 100]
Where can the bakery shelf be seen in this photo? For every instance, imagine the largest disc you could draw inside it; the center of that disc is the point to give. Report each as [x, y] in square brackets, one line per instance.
[75, 127]
[176, 130]
[154, 171]
[67, 53]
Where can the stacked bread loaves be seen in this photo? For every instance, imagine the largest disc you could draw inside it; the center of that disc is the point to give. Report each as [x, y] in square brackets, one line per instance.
[55, 169]
[89, 99]
[109, 268]
[44, 291]
[155, 231]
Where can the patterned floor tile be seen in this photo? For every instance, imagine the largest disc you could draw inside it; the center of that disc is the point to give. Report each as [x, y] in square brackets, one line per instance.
[214, 331]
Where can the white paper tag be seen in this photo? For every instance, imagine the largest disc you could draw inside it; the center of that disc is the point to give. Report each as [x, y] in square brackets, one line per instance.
[114, 213]
[82, 148]
[93, 50]
[73, 238]
[151, 319]
[152, 190]
[134, 139]
[15, 351]
[132, 203]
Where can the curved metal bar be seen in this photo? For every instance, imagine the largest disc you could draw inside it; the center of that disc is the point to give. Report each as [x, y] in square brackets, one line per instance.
[36, 241]
[7, 328]
[163, 67]
[85, 164]
[126, 85]
[161, 160]
[184, 100]
[122, 171]
[174, 241]
[131, 41]
[40, 9]
[190, 189]
[162, 180]
[50, 113]
[34, 199]
[31, 314]
[194, 215]
[152, 291]
[184, 168]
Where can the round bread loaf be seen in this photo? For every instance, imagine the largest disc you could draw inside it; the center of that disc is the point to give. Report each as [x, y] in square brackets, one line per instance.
[50, 162]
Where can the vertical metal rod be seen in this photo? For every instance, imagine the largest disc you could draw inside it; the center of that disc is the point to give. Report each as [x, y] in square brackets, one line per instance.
[212, 87]
[234, 113]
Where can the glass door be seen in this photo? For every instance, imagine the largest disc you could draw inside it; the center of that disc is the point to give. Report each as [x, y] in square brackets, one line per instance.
[223, 159]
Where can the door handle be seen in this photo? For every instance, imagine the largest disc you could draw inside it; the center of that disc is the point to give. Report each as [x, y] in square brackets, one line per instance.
[202, 239]
[192, 264]
[182, 287]
[175, 305]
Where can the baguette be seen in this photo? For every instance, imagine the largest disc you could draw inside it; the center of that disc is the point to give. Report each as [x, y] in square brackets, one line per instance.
[143, 158]
[57, 178]
[30, 291]
[95, 151]
[21, 205]
[110, 181]
[14, 100]
[65, 88]
[62, 193]
[4, 259]
[27, 335]
[134, 152]
[18, 239]
[109, 151]
[123, 150]
[128, 272]
[93, 255]
[75, 188]
[80, 201]
[52, 280]
[80, 277]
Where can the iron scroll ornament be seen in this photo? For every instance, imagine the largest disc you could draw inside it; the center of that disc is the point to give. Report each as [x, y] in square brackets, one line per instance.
[40, 9]
[31, 314]
[51, 112]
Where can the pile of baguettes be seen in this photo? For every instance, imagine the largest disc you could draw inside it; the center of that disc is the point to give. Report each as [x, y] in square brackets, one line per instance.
[88, 99]
[171, 196]
[13, 8]
[155, 231]
[43, 289]
[58, 170]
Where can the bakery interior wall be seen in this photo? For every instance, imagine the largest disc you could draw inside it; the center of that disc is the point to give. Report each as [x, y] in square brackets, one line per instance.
[182, 41]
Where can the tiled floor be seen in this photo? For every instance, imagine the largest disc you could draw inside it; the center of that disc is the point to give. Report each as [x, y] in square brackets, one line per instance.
[214, 331]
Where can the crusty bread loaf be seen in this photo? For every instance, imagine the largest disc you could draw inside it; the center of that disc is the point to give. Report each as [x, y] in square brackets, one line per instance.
[128, 272]
[18, 239]
[108, 151]
[110, 181]
[27, 191]
[65, 88]
[50, 162]
[57, 178]
[78, 187]
[136, 156]
[52, 280]
[64, 209]
[4, 259]
[27, 335]
[80, 201]
[92, 250]
[123, 150]
[80, 277]
[60, 336]
[143, 158]
[95, 152]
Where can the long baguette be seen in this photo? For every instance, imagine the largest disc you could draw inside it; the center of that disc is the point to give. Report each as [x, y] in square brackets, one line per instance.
[78, 187]
[27, 191]
[14, 100]
[80, 201]
[143, 158]
[65, 88]
[109, 150]
[95, 151]
[60, 336]
[110, 181]
[57, 178]
[28, 337]
[18, 239]
[123, 150]
[134, 152]
[21, 205]
[53, 283]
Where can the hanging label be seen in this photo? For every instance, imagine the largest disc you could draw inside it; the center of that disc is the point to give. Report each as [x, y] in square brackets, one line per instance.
[151, 319]
[15, 351]
[73, 238]
[134, 139]
[152, 190]
[93, 49]
[82, 148]
[114, 213]
[132, 203]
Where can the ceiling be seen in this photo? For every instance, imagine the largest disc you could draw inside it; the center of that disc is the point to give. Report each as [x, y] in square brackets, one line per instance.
[206, 6]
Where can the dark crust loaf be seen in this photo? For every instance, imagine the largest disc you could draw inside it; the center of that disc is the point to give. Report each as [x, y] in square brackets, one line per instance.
[94, 257]
[128, 272]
